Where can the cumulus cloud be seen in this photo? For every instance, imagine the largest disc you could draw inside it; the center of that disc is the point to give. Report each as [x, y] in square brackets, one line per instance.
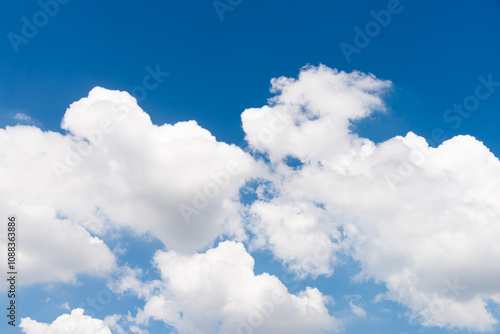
[304, 236]
[113, 168]
[309, 117]
[218, 292]
[422, 220]
[75, 323]
[175, 182]
[54, 249]
[54, 246]
[130, 281]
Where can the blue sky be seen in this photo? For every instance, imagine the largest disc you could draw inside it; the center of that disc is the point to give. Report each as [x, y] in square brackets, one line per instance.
[435, 54]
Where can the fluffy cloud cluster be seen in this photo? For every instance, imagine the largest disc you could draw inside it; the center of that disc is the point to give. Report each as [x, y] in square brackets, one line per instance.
[173, 181]
[113, 168]
[422, 220]
[304, 236]
[53, 247]
[218, 292]
[74, 323]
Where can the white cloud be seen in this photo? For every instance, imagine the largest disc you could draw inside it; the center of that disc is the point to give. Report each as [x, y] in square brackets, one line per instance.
[65, 306]
[75, 323]
[301, 234]
[415, 217]
[357, 310]
[218, 292]
[309, 116]
[113, 323]
[52, 249]
[175, 182]
[113, 169]
[421, 220]
[22, 117]
[129, 280]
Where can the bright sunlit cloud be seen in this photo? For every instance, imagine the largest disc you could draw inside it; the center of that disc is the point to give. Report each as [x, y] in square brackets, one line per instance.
[421, 221]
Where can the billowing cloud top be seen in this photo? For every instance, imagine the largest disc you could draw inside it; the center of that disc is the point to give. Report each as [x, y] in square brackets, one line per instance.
[421, 220]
